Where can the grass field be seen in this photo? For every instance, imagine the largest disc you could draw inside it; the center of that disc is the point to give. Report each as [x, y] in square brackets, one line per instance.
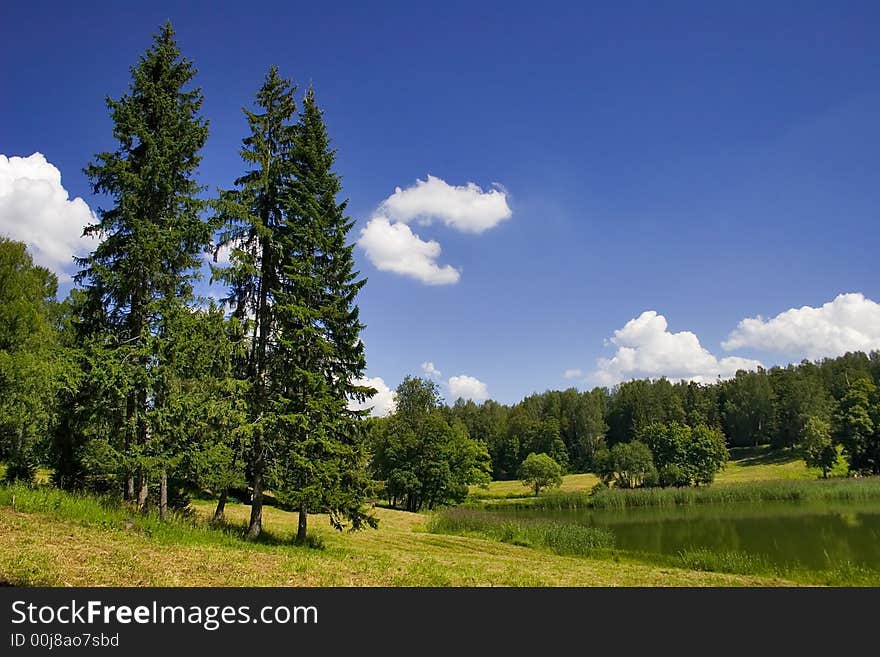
[53, 538]
[514, 489]
[745, 465]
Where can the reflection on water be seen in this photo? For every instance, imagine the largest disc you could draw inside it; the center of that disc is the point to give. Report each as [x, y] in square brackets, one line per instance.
[817, 536]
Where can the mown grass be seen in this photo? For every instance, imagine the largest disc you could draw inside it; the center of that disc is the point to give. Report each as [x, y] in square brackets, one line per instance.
[56, 539]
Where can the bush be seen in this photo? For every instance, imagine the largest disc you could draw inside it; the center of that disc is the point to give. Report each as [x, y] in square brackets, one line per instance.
[673, 475]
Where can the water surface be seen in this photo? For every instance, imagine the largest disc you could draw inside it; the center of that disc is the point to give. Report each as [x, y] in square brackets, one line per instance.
[817, 536]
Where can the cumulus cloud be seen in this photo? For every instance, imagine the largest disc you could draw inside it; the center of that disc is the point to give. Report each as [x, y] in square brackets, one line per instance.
[395, 248]
[467, 387]
[429, 370]
[574, 373]
[463, 207]
[380, 404]
[36, 209]
[392, 246]
[848, 323]
[646, 349]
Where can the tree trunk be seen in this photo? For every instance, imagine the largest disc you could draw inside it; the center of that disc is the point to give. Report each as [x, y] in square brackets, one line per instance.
[220, 510]
[302, 526]
[129, 487]
[256, 524]
[142, 493]
[163, 496]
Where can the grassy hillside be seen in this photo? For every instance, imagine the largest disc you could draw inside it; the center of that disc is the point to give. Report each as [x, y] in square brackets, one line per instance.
[52, 538]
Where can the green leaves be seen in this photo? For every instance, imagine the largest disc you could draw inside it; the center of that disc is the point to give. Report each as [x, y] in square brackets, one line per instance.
[539, 471]
[422, 458]
[857, 426]
[684, 455]
[33, 367]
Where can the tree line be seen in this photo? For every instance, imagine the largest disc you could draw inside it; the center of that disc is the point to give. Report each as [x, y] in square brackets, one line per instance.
[132, 384]
[816, 406]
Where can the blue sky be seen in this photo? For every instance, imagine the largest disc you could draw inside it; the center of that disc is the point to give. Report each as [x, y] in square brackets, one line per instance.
[709, 162]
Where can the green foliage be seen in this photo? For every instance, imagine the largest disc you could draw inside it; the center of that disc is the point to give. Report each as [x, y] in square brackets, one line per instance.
[292, 270]
[633, 464]
[140, 274]
[857, 426]
[705, 454]
[321, 464]
[748, 410]
[34, 367]
[755, 408]
[540, 471]
[799, 394]
[819, 448]
[639, 403]
[422, 459]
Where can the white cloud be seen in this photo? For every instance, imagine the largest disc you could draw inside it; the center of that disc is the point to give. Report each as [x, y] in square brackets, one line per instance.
[36, 209]
[381, 404]
[646, 349]
[221, 257]
[429, 370]
[392, 246]
[395, 248]
[466, 208]
[574, 373]
[848, 323]
[467, 387]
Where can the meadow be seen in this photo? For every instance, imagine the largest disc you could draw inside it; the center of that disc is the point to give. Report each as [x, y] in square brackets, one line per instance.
[50, 537]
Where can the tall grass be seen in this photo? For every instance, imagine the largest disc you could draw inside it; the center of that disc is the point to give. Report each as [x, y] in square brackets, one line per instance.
[109, 513]
[832, 490]
[726, 561]
[560, 538]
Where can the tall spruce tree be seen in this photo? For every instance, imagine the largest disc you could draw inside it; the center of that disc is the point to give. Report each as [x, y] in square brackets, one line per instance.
[291, 280]
[320, 463]
[152, 237]
[254, 215]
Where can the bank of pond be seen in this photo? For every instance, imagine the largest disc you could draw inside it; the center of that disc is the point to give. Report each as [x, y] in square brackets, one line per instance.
[821, 532]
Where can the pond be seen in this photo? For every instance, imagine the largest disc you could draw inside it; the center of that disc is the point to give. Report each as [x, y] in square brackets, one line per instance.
[816, 536]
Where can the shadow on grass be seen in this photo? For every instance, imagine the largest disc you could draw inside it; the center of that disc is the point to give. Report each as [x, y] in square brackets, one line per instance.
[266, 537]
[746, 456]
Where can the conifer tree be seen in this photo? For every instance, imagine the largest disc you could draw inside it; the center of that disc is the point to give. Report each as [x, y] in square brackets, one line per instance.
[152, 237]
[320, 464]
[253, 216]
